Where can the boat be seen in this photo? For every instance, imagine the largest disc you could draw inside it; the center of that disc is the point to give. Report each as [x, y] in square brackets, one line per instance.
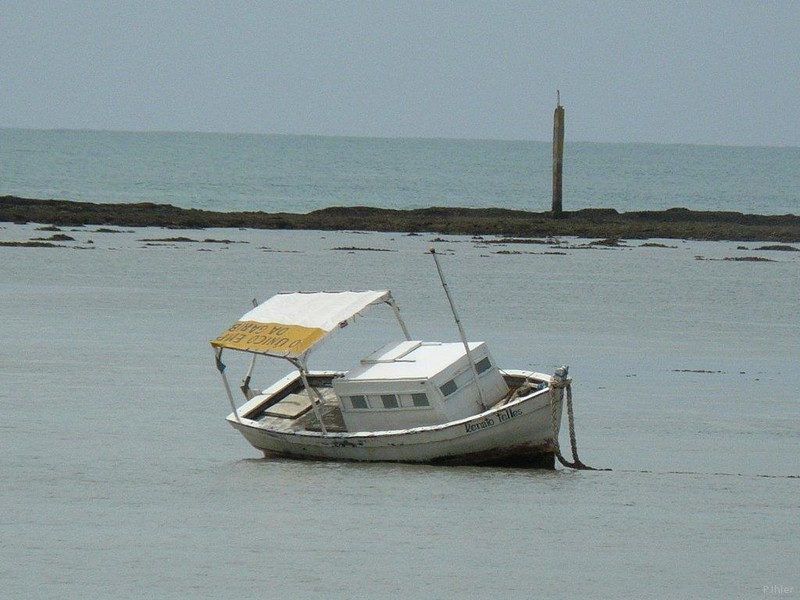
[410, 401]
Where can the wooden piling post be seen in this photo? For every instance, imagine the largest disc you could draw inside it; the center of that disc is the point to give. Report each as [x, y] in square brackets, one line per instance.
[558, 154]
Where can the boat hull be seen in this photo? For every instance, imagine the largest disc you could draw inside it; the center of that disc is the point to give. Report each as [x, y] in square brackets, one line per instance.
[519, 433]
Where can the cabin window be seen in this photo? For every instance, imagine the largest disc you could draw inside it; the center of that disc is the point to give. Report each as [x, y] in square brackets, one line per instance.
[449, 387]
[420, 399]
[483, 365]
[358, 401]
[389, 400]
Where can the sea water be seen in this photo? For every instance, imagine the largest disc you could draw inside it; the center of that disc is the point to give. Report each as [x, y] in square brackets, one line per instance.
[121, 478]
[239, 172]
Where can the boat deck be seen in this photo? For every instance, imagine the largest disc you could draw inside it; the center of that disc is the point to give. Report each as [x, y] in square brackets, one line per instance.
[331, 413]
[292, 409]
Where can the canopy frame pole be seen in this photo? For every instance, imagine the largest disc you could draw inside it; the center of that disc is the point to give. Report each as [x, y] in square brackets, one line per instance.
[245, 387]
[460, 329]
[396, 309]
[221, 369]
[312, 392]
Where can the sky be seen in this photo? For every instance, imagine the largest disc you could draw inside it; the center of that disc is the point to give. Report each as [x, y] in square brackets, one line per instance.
[703, 72]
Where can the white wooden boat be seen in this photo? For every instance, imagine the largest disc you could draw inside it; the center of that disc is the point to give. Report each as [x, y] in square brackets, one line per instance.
[410, 401]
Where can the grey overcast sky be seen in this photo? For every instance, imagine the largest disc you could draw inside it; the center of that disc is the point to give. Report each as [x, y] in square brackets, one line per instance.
[704, 72]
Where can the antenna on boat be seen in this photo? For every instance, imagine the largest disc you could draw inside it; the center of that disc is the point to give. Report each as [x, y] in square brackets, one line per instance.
[460, 328]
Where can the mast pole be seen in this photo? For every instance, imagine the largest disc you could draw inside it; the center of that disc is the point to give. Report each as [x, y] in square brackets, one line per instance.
[460, 328]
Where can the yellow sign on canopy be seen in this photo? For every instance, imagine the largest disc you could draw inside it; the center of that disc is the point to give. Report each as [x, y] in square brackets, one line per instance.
[288, 325]
[268, 338]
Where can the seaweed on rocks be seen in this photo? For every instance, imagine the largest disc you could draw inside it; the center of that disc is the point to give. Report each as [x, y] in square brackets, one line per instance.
[602, 223]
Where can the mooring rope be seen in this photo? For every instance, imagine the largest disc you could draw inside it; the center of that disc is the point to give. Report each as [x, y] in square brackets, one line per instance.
[561, 382]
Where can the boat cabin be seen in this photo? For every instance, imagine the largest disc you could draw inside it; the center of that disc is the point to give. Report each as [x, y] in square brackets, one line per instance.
[413, 383]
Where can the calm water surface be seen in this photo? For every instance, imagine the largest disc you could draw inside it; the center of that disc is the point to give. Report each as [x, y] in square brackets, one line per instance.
[302, 173]
[120, 477]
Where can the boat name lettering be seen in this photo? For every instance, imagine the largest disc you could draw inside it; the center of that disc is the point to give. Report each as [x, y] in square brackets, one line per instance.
[502, 416]
[508, 413]
[486, 423]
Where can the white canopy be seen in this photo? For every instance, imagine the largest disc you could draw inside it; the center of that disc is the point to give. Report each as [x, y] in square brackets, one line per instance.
[289, 324]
